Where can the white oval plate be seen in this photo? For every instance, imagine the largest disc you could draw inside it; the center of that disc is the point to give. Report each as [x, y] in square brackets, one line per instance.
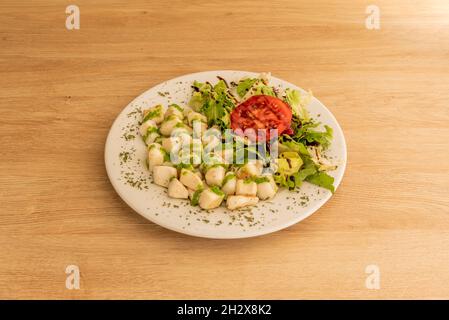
[125, 155]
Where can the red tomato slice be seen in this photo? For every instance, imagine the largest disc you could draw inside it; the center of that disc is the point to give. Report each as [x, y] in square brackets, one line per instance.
[261, 112]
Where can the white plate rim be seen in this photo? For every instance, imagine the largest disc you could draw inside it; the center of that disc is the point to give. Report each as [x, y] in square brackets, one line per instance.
[312, 209]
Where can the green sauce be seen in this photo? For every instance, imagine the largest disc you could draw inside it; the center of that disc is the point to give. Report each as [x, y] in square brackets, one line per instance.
[174, 105]
[196, 197]
[156, 112]
[228, 178]
[217, 191]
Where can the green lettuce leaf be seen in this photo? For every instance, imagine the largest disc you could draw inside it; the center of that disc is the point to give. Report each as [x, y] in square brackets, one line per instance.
[244, 85]
[322, 179]
[213, 111]
[308, 172]
[293, 146]
[220, 87]
[256, 86]
[261, 88]
[322, 138]
[284, 181]
[196, 101]
[213, 101]
[298, 103]
[309, 168]
[307, 134]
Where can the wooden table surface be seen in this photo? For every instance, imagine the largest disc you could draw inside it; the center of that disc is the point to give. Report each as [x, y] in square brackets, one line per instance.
[60, 91]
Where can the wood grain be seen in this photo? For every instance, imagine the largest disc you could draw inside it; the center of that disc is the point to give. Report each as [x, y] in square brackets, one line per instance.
[60, 90]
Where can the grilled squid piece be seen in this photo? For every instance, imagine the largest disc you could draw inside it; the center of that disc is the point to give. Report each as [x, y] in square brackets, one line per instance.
[147, 125]
[211, 198]
[169, 124]
[215, 175]
[177, 190]
[251, 169]
[246, 188]
[237, 202]
[229, 183]
[154, 113]
[163, 174]
[267, 188]
[190, 179]
[175, 110]
[156, 156]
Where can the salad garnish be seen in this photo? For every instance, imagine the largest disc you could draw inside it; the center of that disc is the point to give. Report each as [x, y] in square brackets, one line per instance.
[236, 143]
